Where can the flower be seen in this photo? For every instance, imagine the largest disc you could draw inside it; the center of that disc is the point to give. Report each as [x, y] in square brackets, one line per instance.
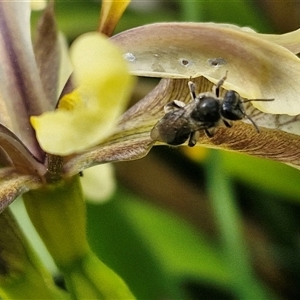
[34, 133]
[88, 114]
[83, 132]
[48, 115]
[56, 121]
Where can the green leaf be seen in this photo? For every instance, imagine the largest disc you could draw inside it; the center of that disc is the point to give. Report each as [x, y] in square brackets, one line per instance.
[264, 174]
[245, 284]
[137, 238]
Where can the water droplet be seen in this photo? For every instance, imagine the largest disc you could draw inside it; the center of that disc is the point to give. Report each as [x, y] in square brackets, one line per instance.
[216, 62]
[184, 62]
[129, 56]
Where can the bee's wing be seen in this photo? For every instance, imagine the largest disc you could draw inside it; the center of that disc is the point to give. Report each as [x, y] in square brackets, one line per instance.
[174, 105]
[176, 126]
[166, 128]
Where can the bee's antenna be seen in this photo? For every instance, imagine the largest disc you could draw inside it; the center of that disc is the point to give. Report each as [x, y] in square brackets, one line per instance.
[253, 123]
[250, 100]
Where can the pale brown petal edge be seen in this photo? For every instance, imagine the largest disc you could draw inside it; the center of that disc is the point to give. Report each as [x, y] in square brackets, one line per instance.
[14, 184]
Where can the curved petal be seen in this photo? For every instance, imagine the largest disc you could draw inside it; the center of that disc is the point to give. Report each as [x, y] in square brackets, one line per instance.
[88, 115]
[47, 53]
[65, 83]
[14, 184]
[289, 40]
[21, 90]
[130, 147]
[52, 57]
[257, 68]
[98, 183]
[18, 155]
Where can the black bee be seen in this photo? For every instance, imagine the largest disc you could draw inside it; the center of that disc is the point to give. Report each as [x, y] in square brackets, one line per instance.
[206, 111]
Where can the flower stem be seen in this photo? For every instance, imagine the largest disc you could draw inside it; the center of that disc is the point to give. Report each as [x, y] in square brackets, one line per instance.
[22, 275]
[58, 212]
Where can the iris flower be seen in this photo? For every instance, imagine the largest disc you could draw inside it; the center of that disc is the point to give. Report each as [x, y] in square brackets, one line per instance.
[40, 143]
[37, 148]
[52, 110]
[57, 121]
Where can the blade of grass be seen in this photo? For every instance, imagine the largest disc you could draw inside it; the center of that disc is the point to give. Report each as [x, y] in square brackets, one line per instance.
[229, 221]
[191, 10]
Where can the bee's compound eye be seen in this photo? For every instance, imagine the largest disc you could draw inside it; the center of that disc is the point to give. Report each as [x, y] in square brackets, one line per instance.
[232, 107]
[232, 97]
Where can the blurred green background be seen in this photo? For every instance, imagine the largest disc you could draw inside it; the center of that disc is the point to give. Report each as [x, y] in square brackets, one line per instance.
[198, 223]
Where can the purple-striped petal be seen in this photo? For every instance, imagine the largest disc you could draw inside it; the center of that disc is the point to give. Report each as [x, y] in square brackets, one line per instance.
[47, 54]
[21, 90]
[131, 147]
[15, 153]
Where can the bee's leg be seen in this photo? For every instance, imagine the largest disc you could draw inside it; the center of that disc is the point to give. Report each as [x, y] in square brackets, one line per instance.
[175, 104]
[210, 132]
[216, 89]
[193, 139]
[227, 124]
[192, 88]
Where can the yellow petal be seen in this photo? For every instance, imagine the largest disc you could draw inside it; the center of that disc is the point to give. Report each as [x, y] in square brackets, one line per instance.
[98, 183]
[88, 115]
[111, 12]
[38, 5]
